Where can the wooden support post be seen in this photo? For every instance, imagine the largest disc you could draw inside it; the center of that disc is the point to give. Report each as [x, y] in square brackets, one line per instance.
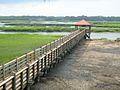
[42, 64]
[54, 58]
[28, 73]
[48, 62]
[48, 59]
[33, 67]
[4, 87]
[45, 65]
[42, 50]
[55, 55]
[29, 82]
[38, 71]
[22, 81]
[51, 59]
[14, 82]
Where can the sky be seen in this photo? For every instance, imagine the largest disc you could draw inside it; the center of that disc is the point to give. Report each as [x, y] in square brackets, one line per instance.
[59, 7]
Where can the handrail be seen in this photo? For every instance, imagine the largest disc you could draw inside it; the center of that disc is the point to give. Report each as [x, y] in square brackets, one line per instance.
[37, 58]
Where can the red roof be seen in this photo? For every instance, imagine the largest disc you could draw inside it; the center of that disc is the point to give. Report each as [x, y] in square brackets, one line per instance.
[82, 23]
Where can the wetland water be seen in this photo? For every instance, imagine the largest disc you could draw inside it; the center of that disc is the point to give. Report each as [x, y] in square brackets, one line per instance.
[43, 33]
[2, 24]
[107, 35]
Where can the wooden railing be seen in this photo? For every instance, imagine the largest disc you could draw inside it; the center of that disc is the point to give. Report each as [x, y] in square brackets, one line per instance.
[19, 73]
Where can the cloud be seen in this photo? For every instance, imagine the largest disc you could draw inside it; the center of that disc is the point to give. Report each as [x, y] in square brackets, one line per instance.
[21, 1]
[61, 8]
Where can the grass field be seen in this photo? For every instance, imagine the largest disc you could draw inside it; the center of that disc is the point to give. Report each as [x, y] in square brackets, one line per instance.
[108, 24]
[104, 29]
[12, 45]
[98, 26]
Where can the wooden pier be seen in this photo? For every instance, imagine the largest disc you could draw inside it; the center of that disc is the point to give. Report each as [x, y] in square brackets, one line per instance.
[22, 72]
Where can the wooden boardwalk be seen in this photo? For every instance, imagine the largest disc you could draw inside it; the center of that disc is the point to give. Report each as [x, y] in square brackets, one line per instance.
[22, 72]
[92, 65]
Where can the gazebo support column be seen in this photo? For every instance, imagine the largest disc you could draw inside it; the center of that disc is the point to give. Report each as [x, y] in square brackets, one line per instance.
[89, 32]
[76, 27]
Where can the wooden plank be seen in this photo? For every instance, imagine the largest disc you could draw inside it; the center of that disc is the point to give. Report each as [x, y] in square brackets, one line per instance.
[7, 80]
[1, 88]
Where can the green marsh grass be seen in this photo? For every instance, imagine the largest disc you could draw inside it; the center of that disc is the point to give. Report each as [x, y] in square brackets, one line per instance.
[53, 29]
[12, 45]
[102, 29]
[36, 29]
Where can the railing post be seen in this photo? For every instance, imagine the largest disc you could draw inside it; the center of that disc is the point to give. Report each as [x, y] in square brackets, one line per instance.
[3, 67]
[34, 54]
[40, 52]
[54, 44]
[43, 50]
[17, 64]
[26, 58]
[50, 47]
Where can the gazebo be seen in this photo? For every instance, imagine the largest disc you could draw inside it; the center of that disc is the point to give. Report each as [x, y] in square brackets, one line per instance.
[84, 23]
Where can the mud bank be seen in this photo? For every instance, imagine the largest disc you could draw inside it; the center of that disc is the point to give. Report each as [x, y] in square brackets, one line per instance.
[92, 65]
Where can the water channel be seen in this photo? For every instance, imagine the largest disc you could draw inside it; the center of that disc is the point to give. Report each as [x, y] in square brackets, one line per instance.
[107, 35]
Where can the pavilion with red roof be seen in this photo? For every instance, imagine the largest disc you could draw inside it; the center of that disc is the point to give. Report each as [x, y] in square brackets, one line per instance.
[84, 23]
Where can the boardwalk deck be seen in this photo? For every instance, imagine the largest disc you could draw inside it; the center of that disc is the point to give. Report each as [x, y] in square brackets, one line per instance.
[93, 65]
[22, 72]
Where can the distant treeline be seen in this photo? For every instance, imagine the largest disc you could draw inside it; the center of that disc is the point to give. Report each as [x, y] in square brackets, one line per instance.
[61, 18]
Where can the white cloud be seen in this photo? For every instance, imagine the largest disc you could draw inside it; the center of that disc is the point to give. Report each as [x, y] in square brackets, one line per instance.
[63, 8]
